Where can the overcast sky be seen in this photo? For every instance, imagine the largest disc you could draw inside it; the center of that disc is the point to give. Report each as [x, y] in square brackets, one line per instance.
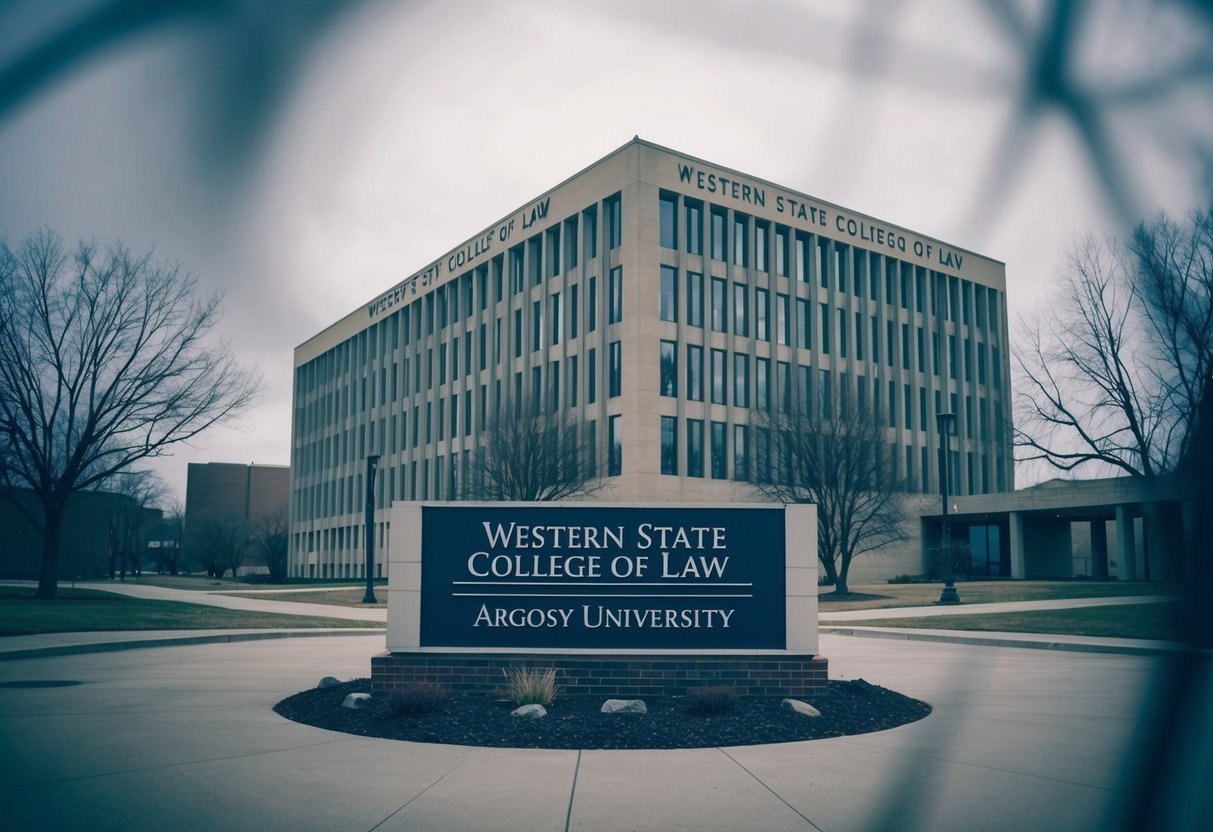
[302, 163]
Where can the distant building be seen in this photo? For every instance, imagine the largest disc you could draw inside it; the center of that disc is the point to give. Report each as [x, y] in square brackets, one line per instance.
[84, 548]
[660, 301]
[240, 497]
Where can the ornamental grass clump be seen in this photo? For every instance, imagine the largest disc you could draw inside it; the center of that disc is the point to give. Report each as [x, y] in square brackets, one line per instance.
[713, 699]
[414, 699]
[530, 686]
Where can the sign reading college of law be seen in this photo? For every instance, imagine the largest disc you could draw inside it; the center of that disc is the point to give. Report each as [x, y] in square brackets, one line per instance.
[591, 577]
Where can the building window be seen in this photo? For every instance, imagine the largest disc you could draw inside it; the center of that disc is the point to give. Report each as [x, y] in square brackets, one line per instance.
[741, 380]
[842, 333]
[695, 372]
[616, 369]
[590, 224]
[783, 381]
[781, 252]
[574, 309]
[517, 333]
[741, 452]
[694, 447]
[554, 378]
[762, 329]
[536, 324]
[614, 208]
[741, 310]
[554, 316]
[591, 323]
[762, 383]
[718, 383]
[719, 304]
[827, 404]
[782, 320]
[695, 299]
[615, 444]
[803, 330]
[720, 461]
[669, 368]
[553, 244]
[536, 389]
[719, 241]
[615, 305]
[669, 445]
[572, 382]
[668, 301]
[740, 249]
[859, 336]
[591, 372]
[825, 329]
[761, 232]
[694, 230]
[570, 244]
[669, 221]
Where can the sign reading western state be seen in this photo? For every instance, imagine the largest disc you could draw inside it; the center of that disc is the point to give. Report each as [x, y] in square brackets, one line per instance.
[602, 577]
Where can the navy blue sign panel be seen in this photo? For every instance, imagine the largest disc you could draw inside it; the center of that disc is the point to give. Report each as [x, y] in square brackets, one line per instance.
[602, 577]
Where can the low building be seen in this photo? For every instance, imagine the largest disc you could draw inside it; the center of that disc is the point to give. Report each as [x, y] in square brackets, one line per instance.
[228, 504]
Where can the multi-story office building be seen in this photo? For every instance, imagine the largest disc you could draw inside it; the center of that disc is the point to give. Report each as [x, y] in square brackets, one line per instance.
[661, 302]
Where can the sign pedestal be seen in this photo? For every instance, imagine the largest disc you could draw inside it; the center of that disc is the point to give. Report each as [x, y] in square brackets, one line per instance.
[620, 600]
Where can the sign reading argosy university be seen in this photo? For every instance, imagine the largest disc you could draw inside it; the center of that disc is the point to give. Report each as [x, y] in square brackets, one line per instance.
[597, 577]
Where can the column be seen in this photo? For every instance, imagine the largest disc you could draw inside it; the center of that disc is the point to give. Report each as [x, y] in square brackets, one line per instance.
[1017, 557]
[1126, 549]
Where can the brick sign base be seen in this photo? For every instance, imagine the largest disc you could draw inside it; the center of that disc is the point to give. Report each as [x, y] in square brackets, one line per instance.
[602, 675]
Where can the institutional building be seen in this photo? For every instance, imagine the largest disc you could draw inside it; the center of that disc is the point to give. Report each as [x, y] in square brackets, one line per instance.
[660, 302]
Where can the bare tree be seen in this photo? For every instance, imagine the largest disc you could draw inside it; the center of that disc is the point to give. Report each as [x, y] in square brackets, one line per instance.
[219, 542]
[840, 461]
[102, 364]
[270, 538]
[1112, 370]
[129, 520]
[174, 526]
[528, 455]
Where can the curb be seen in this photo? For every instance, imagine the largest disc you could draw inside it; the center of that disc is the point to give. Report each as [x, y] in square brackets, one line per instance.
[1146, 648]
[177, 641]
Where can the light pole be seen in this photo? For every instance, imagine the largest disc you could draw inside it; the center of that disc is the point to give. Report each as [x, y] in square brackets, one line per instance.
[946, 420]
[372, 464]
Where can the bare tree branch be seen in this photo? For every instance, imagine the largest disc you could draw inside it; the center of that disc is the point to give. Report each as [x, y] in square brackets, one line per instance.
[528, 455]
[103, 363]
[1112, 369]
[839, 460]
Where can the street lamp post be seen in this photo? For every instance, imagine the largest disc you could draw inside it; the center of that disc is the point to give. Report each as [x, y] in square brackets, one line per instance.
[372, 464]
[949, 594]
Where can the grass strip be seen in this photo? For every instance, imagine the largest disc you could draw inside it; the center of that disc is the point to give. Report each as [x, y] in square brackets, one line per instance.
[1161, 622]
[86, 610]
[885, 596]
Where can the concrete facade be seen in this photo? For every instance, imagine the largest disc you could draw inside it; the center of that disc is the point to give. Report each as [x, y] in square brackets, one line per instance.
[248, 496]
[749, 295]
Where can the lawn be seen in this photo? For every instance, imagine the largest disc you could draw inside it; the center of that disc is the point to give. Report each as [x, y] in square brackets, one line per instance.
[881, 596]
[341, 597]
[1152, 621]
[204, 583]
[77, 610]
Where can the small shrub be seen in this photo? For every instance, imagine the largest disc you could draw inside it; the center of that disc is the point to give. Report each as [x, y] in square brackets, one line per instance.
[414, 698]
[713, 699]
[905, 579]
[527, 686]
[824, 580]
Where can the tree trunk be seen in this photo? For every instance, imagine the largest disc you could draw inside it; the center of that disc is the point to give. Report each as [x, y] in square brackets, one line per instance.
[48, 581]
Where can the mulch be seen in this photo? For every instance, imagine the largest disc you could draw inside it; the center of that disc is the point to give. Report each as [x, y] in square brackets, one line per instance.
[575, 722]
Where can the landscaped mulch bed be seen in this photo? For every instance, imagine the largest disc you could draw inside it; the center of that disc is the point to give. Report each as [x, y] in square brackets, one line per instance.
[854, 707]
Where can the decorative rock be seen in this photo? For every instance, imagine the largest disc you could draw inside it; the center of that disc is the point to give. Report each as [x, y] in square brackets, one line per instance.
[357, 701]
[802, 708]
[530, 712]
[328, 682]
[624, 706]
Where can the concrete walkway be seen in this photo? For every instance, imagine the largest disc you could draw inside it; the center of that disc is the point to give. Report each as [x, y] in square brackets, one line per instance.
[185, 738]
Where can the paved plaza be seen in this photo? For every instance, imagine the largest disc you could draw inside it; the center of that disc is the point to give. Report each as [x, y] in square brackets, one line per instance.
[183, 738]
